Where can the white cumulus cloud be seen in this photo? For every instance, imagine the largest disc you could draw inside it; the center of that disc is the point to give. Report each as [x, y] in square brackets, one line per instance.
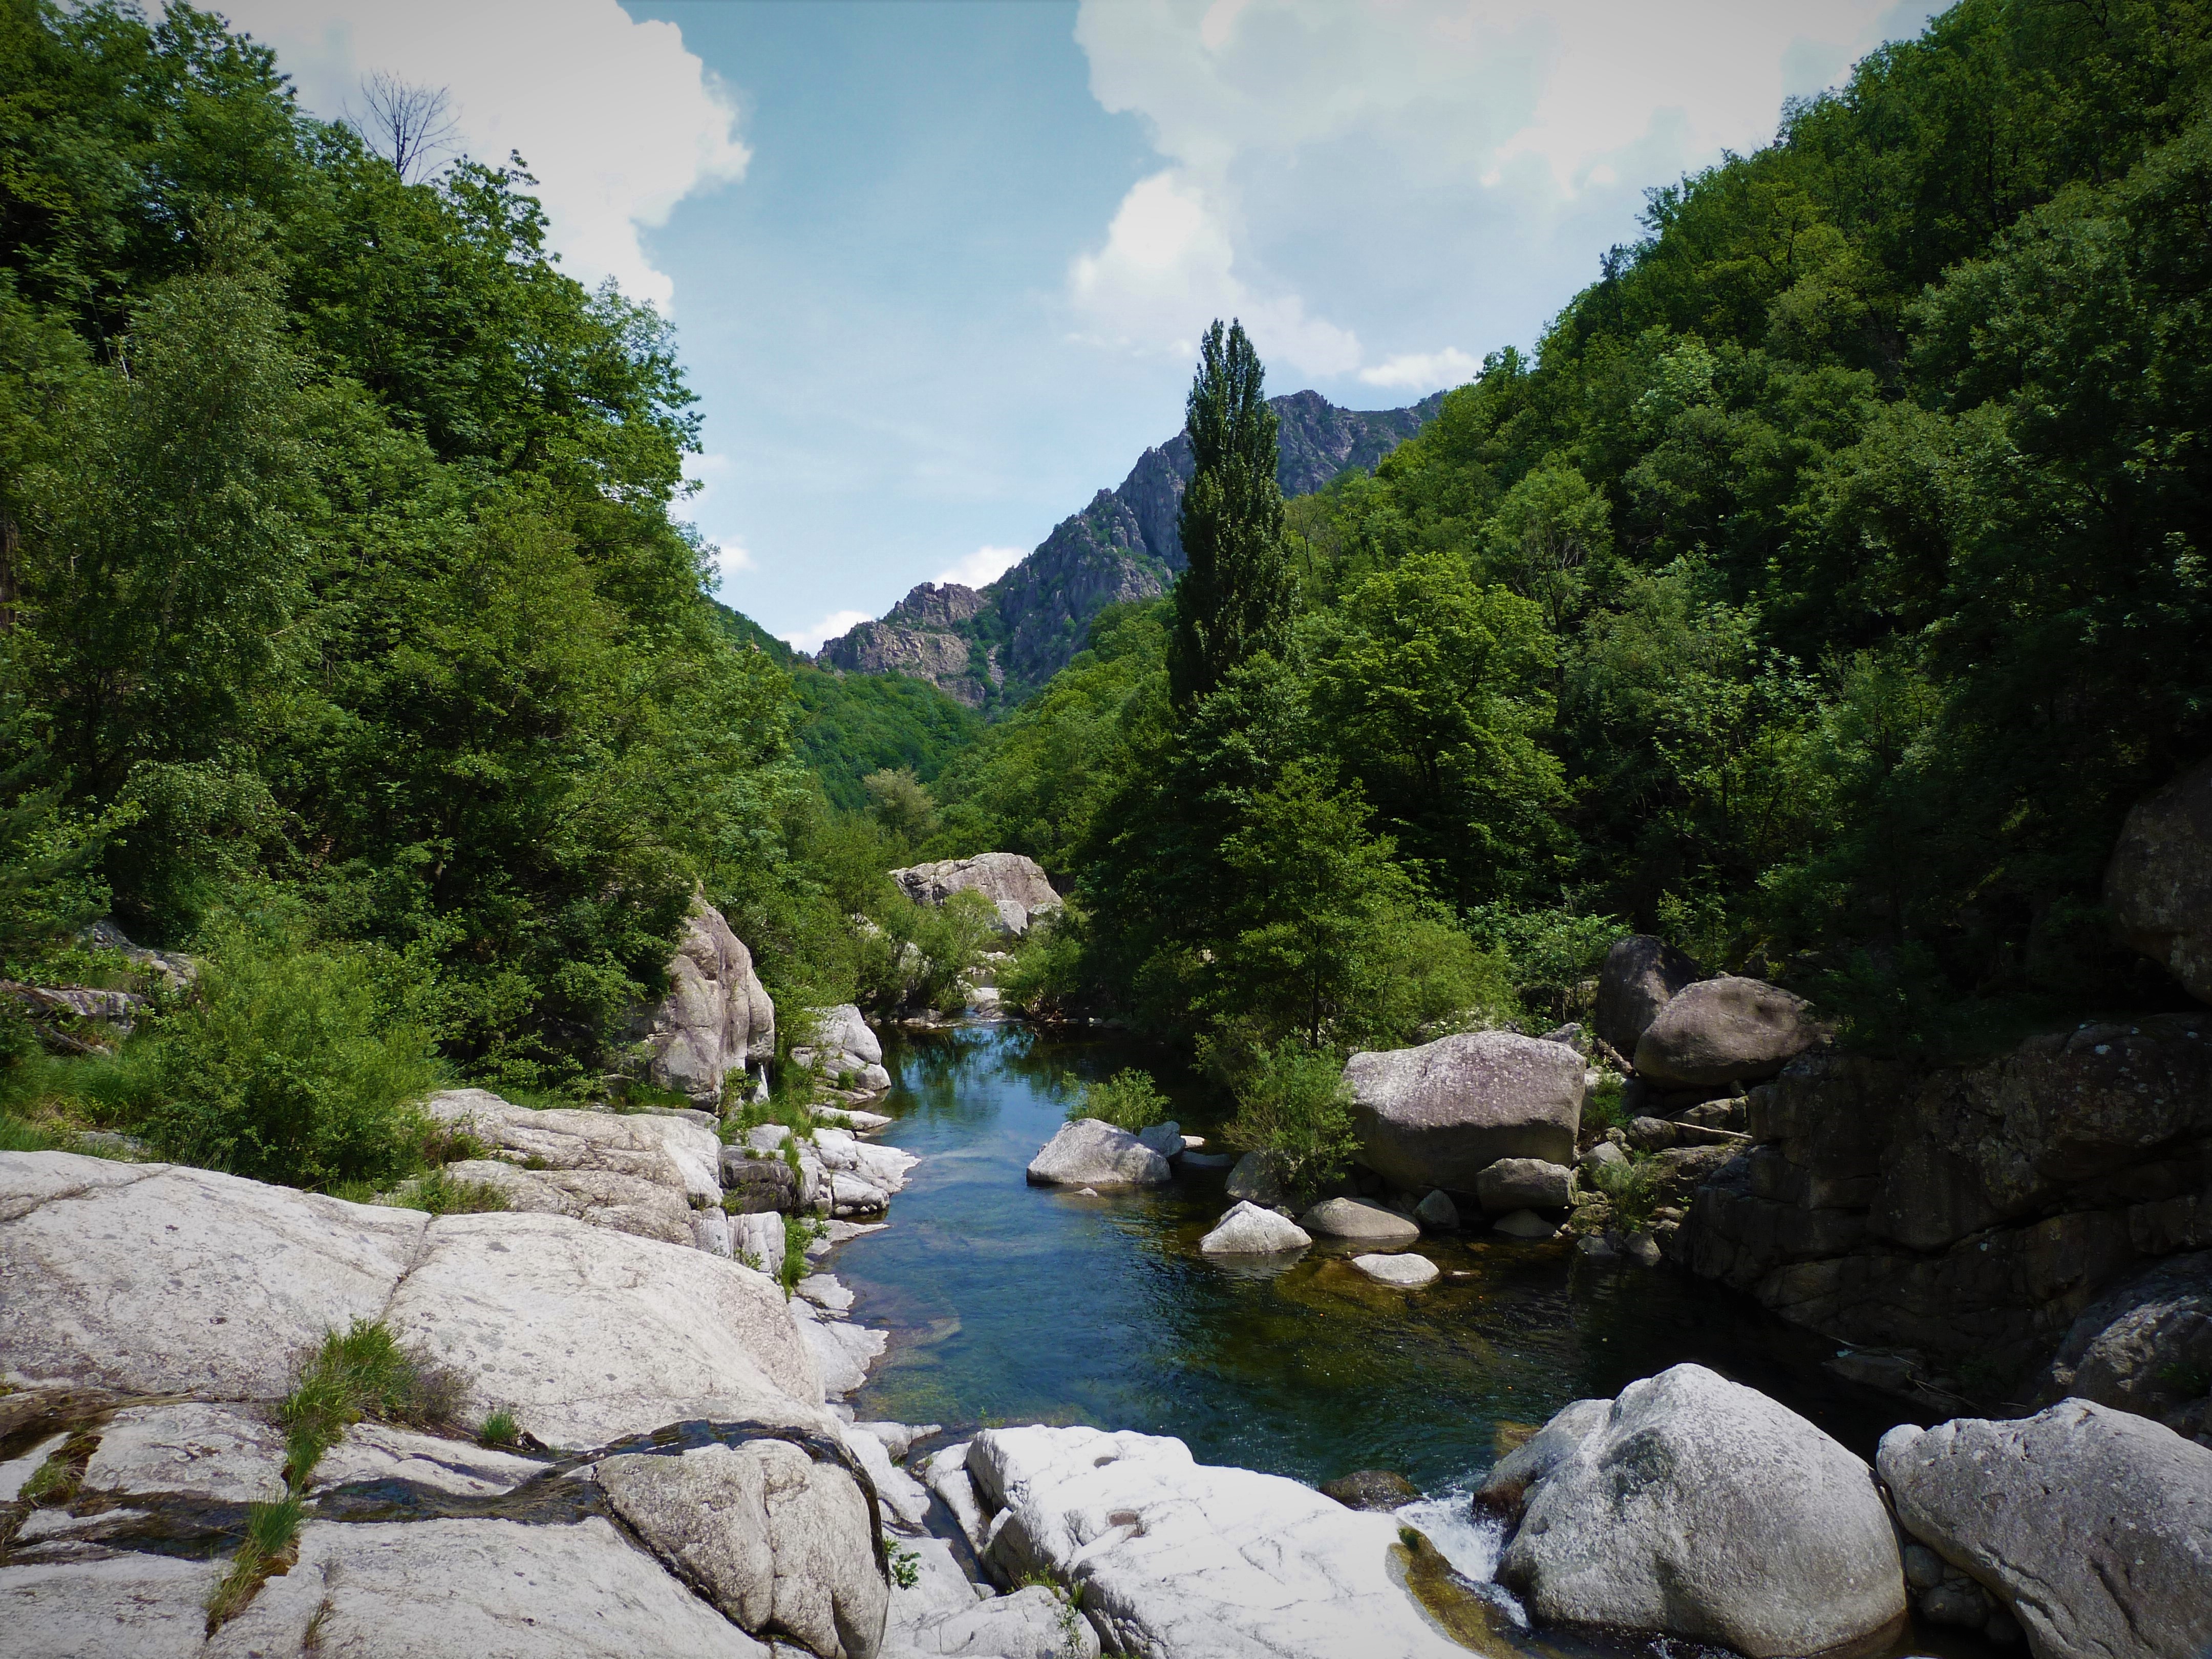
[616, 118]
[985, 565]
[1423, 371]
[813, 639]
[1323, 160]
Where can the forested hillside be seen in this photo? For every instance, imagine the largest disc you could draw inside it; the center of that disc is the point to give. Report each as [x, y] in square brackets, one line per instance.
[1820, 596]
[350, 631]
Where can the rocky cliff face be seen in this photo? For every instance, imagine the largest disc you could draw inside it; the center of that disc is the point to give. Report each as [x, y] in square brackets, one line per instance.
[1963, 1220]
[1003, 641]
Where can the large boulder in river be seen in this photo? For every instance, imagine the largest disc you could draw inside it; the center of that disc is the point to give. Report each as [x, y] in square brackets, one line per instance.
[1724, 1031]
[2094, 1527]
[2158, 884]
[1357, 1219]
[1015, 884]
[716, 1017]
[1701, 1508]
[1177, 1556]
[1439, 1115]
[1090, 1152]
[1641, 975]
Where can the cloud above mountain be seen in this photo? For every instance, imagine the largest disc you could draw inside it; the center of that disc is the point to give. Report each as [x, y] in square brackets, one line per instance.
[1316, 150]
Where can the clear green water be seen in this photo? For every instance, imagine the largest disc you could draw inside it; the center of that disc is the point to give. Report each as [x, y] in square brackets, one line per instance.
[1010, 1303]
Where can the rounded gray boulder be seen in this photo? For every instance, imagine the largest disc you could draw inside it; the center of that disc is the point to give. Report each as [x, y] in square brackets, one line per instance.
[1699, 1508]
[1248, 1230]
[1524, 1183]
[1355, 1217]
[1721, 1030]
[2093, 1526]
[1088, 1152]
[1439, 1115]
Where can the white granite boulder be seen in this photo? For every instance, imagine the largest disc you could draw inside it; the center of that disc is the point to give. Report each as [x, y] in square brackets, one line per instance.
[844, 1047]
[2093, 1527]
[1702, 1510]
[1407, 1271]
[1248, 1230]
[1439, 1114]
[1090, 1152]
[1524, 1183]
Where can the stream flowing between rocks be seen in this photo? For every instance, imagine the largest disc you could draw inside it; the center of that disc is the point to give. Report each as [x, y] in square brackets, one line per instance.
[1010, 1303]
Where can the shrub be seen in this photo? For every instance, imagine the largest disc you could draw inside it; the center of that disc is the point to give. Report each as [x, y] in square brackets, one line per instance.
[1050, 973]
[920, 953]
[1291, 1100]
[1128, 1100]
[438, 1193]
[1632, 1190]
[289, 1064]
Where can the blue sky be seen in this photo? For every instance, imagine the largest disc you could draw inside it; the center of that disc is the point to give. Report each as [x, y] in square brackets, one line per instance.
[936, 265]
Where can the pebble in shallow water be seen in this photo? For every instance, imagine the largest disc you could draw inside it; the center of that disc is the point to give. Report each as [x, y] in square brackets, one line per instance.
[1409, 1272]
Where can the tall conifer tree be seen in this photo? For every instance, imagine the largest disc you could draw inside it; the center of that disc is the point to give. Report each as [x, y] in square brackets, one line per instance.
[1237, 598]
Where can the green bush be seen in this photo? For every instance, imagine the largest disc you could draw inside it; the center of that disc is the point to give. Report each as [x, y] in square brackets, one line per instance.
[1128, 1100]
[289, 1063]
[1292, 1101]
[1050, 973]
[920, 953]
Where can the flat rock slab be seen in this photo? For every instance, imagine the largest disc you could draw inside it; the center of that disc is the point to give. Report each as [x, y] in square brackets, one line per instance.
[1180, 1557]
[1088, 1153]
[228, 1453]
[154, 1279]
[378, 1451]
[671, 1152]
[1248, 1230]
[1357, 1219]
[2093, 1526]
[491, 1589]
[121, 1606]
[1408, 1272]
[1032, 1623]
[602, 1198]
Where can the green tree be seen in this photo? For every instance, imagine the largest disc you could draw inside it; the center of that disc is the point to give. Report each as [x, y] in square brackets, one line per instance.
[1236, 598]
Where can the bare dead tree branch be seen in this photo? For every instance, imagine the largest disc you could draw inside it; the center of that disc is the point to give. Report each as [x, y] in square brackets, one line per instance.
[409, 126]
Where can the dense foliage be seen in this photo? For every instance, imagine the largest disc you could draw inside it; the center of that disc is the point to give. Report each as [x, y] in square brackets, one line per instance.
[341, 577]
[1820, 596]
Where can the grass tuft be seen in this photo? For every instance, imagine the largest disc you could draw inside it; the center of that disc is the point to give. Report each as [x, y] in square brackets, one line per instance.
[441, 1194]
[499, 1429]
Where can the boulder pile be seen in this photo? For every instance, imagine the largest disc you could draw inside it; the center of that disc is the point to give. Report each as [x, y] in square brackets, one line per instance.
[1016, 885]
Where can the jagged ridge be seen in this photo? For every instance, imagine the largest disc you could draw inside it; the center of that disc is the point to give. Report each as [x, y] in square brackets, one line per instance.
[991, 647]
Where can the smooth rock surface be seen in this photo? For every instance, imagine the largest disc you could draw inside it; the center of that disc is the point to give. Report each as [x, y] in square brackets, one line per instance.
[1724, 1031]
[1438, 1213]
[716, 1018]
[1358, 1219]
[1088, 1153]
[228, 1453]
[1165, 1138]
[2158, 884]
[666, 1151]
[1407, 1271]
[1248, 1230]
[1439, 1114]
[1685, 1509]
[123, 1607]
[599, 1198]
[1642, 975]
[1524, 1183]
[1031, 1623]
[1505, 1490]
[490, 1589]
[2093, 1526]
[1179, 1558]
[378, 1451]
